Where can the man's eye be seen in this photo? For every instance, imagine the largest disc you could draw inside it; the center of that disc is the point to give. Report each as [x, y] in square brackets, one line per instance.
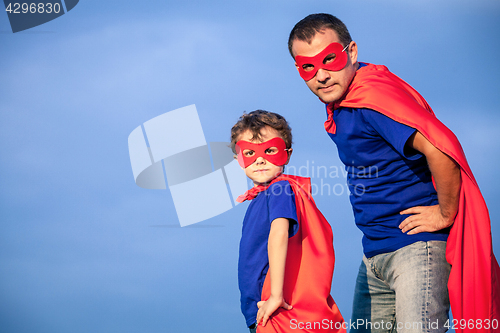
[248, 153]
[329, 58]
[271, 151]
[307, 67]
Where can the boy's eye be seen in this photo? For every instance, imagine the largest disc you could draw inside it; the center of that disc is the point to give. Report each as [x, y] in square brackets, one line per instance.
[329, 58]
[271, 151]
[248, 152]
[307, 67]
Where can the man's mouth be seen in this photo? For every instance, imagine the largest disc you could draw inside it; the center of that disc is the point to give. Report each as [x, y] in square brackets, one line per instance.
[327, 88]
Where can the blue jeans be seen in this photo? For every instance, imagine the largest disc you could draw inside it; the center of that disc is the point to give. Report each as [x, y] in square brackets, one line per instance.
[403, 291]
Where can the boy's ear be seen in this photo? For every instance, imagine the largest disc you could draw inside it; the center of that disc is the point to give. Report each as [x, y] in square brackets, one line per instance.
[236, 157]
[289, 151]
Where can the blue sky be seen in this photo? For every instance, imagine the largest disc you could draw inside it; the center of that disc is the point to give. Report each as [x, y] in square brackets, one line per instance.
[83, 249]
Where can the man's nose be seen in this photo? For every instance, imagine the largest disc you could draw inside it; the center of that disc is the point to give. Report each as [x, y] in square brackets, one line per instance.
[322, 75]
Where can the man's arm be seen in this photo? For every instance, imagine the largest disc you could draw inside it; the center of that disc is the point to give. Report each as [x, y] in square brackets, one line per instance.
[277, 248]
[447, 178]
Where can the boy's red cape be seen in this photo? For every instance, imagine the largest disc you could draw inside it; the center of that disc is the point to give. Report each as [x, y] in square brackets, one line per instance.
[474, 285]
[308, 271]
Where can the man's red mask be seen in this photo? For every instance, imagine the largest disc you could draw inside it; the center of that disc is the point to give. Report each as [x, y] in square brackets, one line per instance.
[273, 151]
[332, 58]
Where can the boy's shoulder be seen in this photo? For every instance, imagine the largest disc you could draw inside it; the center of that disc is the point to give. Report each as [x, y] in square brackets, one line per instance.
[297, 183]
[277, 193]
[277, 200]
[279, 184]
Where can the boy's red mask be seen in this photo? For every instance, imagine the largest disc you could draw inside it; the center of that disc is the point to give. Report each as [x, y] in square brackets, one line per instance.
[318, 61]
[273, 151]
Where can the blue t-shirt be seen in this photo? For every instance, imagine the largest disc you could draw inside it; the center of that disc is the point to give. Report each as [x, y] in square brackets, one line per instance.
[278, 201]
[383, 178]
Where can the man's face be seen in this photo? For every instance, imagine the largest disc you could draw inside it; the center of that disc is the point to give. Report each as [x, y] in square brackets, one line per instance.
[328, 85]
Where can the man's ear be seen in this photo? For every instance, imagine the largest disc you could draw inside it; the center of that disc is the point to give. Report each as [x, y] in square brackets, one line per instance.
[297, 66]
[353, 52]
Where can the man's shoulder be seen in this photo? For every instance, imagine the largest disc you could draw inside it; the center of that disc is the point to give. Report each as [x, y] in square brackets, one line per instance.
[367, 70]
[375, 87]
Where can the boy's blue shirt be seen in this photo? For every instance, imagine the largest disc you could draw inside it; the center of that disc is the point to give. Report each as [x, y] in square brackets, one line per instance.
[278, 201]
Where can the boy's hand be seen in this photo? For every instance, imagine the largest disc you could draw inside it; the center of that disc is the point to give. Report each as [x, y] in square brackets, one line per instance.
[267, 308]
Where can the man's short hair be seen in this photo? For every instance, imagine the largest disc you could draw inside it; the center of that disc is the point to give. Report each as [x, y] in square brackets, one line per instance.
[306, 29]
[258, 119]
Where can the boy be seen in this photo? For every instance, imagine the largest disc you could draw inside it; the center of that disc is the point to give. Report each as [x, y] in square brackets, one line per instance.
[286, 256]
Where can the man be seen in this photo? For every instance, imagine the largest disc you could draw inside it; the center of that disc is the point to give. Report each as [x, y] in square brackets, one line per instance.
[411, 226]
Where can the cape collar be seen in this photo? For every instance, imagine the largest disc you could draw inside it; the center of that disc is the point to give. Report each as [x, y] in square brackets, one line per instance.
[254, 191]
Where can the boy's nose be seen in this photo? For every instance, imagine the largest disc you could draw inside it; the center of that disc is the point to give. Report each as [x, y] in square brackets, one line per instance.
[260, 160]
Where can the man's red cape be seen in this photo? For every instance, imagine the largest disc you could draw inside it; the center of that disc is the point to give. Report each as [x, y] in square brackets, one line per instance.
[474, 285]
[308, 271]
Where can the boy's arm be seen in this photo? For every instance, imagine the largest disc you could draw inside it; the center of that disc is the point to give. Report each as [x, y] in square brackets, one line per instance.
[447, 178]
[277, 248]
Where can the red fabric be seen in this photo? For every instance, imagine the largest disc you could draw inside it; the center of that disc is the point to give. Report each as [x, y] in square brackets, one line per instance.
[308, 272]
[474, 284]
[335, 63]
[276, 156]
[252, 193]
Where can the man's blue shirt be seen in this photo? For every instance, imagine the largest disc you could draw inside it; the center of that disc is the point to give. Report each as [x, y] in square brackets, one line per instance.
[383, 177]
[278, 201]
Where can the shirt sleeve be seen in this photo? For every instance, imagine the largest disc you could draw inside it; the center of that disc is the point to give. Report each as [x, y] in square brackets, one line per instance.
[395, 133]
[282, 205]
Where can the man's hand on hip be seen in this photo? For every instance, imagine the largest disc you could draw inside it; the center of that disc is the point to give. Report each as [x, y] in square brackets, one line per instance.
[424, 219]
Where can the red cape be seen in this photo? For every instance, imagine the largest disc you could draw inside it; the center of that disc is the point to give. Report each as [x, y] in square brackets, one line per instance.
[308, 271]
[474, 284]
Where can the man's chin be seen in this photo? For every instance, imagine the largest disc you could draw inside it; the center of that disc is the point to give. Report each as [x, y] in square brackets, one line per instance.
[327, 98]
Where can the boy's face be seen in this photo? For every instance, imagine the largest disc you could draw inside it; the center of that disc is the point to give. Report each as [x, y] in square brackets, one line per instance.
[328, 85]
[262, 171]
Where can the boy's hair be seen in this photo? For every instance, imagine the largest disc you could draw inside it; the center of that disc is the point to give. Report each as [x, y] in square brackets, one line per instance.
[255, 121]
[306, 28]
